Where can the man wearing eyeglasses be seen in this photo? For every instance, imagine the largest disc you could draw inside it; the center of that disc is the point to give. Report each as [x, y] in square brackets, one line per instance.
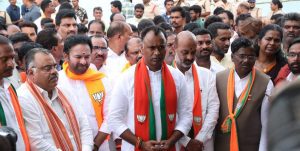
[99, 54]
[90, 87]
[293, 58]
[244, 101]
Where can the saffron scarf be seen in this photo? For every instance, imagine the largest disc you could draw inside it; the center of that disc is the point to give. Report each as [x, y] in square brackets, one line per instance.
[127, 65]
[19, 116]
[58, 130]
[143, 107]
[229, 124]
[23, 77]
[95, 87]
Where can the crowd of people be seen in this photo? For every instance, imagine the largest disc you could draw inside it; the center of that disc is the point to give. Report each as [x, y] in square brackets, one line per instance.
[192, 78]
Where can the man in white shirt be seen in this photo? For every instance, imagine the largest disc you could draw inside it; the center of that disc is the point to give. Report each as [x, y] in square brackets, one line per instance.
[118, 34]
[204, 50]
[52, 120]
[202, 88]
[10, 110]
[244, 103]
[150, 107]
[293, 58]
[99, 53]
[138, 15]
[90, 88]
[133, 52]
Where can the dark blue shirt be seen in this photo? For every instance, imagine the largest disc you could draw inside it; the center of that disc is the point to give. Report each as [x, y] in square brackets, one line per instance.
[14, 12]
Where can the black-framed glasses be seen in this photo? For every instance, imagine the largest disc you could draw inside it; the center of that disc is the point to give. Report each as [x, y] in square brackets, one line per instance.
[244, 57]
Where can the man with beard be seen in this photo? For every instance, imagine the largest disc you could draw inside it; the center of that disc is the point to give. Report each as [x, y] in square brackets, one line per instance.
[99, 54]
[150, 108]
[201, 86]
[65, 22]
[178, 18]
[133, 52]
[221, 35]
[52, 119]
[138, 14]
[90, 87]
[255, 11]
[10, 110]
[170, 52]
[195, 13]
[244, 100]
[204, 50]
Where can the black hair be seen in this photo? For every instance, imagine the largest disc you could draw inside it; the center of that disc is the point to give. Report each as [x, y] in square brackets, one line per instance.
[166, 26]
[295, 41]
[228, 13]
[74, 40]
[49, 26]
[19, 37]
[65, 6]
[96, 21]
[46, 20]
[117, 4]
[241, 43]
[241, 17]
[159, 19]
[82, 29]
[276, 16]
[144, 23]
[64, 13]
[97, 8]
[269, 27]
[191, 26]
[28, 24]
[278, 3]
[47, 38]
[290, 16]
[212, 19]
[218, 10]
[134, 28]
[4, 40]
[166, 1]
[26, 47]
[157, 30]
[213, 28]
[199, 31]
[196, 9]
[139, 6]
[180, 10]
[45, 4]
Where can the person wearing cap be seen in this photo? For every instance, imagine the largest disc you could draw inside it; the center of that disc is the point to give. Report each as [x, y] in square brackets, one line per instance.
[254, 11]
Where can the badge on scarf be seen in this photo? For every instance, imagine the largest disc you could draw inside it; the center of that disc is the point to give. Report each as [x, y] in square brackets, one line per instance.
[141, 118]
[171, 117]
[98, 96]
[197, 120]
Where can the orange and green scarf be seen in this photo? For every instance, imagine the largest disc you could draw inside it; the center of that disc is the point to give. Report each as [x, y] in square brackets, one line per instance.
[95, 87]
[58, 131]
[143, 107]
[229, 124]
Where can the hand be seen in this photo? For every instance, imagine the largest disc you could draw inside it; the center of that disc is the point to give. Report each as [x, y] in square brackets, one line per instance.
[194, 145]
[150, 146]
[165, 145]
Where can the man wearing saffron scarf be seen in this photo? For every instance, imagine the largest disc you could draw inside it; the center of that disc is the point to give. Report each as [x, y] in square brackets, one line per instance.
[10, 110]
[202, 88]
[150, 108]
[91, 88]
[52, 120]
[244, 100]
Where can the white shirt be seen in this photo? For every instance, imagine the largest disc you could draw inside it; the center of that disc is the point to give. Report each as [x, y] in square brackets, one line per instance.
[102, 69]
[10, 116]
[114, 64]
[291, 77]
[240, 85]
[36, 124]
[134, 21]
[122, 104]
[210, 105]
[215, 67]
[80, 92]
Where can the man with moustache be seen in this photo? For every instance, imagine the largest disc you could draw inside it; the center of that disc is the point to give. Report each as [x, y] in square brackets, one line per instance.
[66, 24]
[132, 52]
[11, 114]
[91, 88]
[99, 54]
[150, 108]
[170, 52]
[244, 103]
[221, 35]
[178, 18]
[204, 50]
[52, 119]
[201, 85]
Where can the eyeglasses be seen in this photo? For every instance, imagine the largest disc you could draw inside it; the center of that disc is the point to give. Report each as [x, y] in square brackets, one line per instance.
[103, 49]
[293, 55]
[244, 57]
[47, 68]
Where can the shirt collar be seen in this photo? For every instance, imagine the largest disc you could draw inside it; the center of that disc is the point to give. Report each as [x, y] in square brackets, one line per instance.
[112, 53]
[45, 93]
[237, 77]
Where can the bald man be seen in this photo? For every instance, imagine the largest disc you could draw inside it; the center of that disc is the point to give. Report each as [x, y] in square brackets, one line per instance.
[133, 52]
[201, 86]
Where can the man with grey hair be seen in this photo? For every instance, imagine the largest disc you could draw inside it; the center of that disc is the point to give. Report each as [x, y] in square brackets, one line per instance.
[51, 119]
[133, 52]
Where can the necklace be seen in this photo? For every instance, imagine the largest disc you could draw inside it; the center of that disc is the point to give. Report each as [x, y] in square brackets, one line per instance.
[265, 67]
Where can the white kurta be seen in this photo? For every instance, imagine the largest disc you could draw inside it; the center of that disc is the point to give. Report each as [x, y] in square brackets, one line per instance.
[210, 105]
[240, 85]
[80, 92]
[36, 124]
[122, 104]
[10, 115]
